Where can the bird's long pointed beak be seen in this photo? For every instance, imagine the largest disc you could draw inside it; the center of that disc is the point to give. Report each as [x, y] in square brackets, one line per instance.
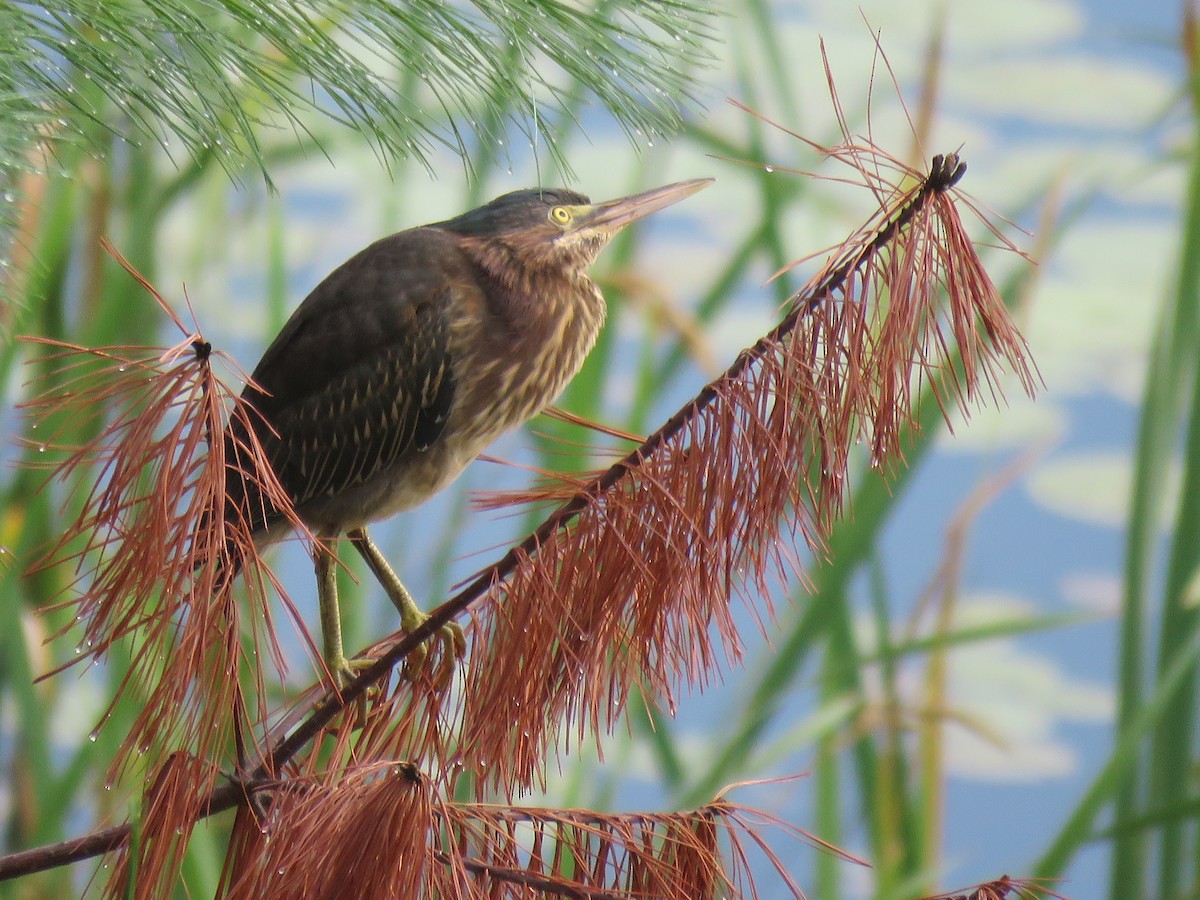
[614, 214]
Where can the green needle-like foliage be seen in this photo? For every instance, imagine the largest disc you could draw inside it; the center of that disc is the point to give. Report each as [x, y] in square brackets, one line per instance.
[208, 76]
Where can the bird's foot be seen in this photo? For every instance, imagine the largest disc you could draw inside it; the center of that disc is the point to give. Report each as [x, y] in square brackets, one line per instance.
[453, 647]
[343, 671]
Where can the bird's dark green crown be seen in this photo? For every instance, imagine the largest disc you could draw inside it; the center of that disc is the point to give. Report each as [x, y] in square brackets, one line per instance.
[516, 211]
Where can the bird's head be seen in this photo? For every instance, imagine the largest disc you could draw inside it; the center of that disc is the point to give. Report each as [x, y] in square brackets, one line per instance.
[556, 227]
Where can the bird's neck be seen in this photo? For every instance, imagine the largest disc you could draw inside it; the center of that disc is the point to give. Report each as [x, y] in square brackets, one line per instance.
[540, 300]
[551, 317]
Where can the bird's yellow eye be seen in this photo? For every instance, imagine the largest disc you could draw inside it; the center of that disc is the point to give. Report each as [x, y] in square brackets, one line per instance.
[560, 215]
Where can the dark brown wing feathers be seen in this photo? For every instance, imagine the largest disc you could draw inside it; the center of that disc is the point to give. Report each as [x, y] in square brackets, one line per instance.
[359, 376]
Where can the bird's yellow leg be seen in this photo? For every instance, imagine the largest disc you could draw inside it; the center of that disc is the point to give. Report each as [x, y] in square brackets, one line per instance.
[454, 644]
[340, 669]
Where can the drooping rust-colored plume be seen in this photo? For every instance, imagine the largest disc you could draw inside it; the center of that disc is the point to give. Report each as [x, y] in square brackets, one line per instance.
[155, 551]
[366, 834]
[147, 867]
[376, 831]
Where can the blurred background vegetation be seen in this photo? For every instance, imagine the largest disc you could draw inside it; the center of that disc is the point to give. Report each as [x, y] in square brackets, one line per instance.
[992, 670]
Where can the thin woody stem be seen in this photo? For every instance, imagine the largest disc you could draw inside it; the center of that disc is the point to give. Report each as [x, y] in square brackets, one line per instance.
[944, 174]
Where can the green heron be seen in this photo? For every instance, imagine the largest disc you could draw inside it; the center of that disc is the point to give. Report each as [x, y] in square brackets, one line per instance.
[410, 358]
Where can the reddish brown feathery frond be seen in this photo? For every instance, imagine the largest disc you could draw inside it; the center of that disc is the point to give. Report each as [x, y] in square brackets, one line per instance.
[630, 595]
[156, 551]
[629, 582]
[167, 820]
[147, 418]
[364, 835]
[514, 850]
[486, 850]
[153, 552]
[882, 313]
[373, 830]
[1003, 888]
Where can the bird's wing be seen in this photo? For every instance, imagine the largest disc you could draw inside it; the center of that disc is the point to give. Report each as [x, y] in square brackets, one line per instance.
[361, 374]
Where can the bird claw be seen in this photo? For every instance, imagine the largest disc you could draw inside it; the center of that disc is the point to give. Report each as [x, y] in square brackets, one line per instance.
[343, 671]
[454, 648]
